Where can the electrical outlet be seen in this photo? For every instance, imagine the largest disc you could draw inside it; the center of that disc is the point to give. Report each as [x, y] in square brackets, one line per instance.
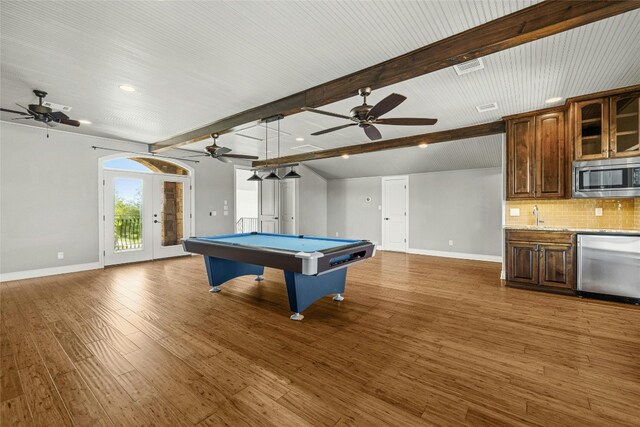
[598, 211]
[450, 242]
[213, 213]
[226, 213]
[336, 234]
[514, 212]
[225, 202]
[60, 255]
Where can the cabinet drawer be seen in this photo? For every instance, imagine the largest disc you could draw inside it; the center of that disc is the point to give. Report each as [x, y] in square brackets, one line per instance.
[537, 236]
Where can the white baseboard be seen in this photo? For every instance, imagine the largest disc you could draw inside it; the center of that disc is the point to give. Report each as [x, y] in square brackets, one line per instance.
[52, 271]
[459, 255]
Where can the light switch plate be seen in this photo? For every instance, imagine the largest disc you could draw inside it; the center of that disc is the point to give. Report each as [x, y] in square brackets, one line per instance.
[514, 212]
[213, 213]
[226, 213]
[598, 211]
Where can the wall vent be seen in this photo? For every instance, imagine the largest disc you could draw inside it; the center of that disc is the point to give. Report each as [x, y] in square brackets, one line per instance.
[487, 107]
[469, 66]
[306, 148]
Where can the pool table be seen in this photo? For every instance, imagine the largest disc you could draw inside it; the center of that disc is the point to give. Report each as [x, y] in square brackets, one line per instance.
[313, 266]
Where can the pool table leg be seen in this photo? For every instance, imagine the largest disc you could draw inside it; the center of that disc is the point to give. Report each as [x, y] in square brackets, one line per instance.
[259, 278]
[338, 298]
[215, 289]
[296, 316]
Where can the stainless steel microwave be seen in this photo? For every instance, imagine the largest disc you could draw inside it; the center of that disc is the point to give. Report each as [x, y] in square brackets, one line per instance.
[610, 178]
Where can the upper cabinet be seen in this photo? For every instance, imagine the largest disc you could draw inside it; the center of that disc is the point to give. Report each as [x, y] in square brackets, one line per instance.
[625, 125]
[607, 127]
[537, 156]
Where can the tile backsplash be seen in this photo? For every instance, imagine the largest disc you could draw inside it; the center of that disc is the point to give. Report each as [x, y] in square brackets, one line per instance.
[617, 214]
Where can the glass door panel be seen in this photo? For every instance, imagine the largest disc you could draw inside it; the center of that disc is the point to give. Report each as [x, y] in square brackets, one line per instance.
[625, 125]
[127, 204]
[591, 141]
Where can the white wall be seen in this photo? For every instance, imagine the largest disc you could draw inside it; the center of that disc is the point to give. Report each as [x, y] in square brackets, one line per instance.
[348, 212]
[311, 203]
[49, 197]
[463, 205]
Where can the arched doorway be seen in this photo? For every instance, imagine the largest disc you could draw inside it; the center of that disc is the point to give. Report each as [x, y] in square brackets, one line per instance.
[146, 208]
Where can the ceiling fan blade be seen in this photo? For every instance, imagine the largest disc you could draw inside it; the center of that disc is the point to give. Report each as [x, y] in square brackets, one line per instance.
[322, 132]
[58, 116]
[386, 105]
[372, 132]
[222, 159]
[70, 122]
[28, 110]
[14, 112]
[326, 113]
[199, 155]
[406, 121]
[239, 156]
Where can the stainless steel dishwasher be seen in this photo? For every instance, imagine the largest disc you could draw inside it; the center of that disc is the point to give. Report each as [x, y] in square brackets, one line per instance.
[609, 265]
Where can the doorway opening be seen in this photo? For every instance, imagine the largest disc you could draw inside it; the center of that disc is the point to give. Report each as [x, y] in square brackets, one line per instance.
[246, 202]
[145, 209]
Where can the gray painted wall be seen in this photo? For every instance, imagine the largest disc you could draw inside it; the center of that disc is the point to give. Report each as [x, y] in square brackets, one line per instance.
[463, 206]
[348, 212]
[49, 197]
[311, 203]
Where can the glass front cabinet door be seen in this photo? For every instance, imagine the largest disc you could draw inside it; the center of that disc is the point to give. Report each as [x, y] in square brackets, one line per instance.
[592, 129]
[625, 124]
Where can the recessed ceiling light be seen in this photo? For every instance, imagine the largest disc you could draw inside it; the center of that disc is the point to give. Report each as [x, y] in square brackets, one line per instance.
[345, 156]
[553, 100]
[423, 145]
[127, 88]
[85, 122]
[299, 139]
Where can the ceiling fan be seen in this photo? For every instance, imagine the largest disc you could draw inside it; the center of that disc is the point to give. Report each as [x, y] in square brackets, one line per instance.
[222, 153]
[365, 116]
[42, 113]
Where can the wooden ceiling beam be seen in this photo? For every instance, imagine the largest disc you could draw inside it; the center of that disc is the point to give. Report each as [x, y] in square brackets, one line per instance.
[484, 129]
[532, 23]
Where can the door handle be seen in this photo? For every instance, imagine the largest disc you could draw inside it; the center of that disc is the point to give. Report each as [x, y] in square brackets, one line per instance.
[386, 219]
[156, 221]
[275, 217]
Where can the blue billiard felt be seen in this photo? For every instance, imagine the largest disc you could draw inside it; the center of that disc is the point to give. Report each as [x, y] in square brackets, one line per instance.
[281, 241]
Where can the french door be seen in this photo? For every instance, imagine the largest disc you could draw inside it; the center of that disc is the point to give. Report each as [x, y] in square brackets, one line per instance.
[146, 216]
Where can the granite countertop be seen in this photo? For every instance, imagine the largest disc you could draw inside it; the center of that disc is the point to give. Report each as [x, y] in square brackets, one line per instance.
[573, 230]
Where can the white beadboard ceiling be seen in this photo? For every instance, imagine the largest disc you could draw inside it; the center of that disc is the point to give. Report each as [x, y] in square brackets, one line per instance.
[196, 62]
[473, 153]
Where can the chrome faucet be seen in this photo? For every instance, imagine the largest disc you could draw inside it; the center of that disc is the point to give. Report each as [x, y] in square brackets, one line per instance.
[536, 213]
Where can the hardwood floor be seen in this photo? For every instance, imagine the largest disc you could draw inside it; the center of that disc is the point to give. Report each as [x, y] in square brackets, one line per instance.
[418, 341]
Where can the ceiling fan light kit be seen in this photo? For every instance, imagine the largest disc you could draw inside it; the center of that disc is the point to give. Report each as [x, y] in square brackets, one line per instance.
[365, 115]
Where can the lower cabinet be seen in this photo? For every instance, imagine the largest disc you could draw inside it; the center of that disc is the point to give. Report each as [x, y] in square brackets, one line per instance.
[542, 260]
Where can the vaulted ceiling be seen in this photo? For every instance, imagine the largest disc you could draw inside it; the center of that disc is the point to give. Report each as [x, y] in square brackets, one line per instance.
[195, 62]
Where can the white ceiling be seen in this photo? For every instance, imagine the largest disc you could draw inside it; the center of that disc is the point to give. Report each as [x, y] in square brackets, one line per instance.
[473, 153]
[195, 62]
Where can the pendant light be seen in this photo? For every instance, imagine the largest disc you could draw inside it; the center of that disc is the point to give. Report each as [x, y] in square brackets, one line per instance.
[254, 177]
[292, 174]
[273, 175]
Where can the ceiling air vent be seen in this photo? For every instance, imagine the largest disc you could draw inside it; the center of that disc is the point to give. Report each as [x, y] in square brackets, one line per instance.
[487, 107]
[469, 66]
[306, 148]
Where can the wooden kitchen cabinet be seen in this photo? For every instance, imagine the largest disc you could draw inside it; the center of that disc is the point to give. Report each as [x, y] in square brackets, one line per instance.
[541, 260]
[607, 127]
[624, 136]
[537, 156]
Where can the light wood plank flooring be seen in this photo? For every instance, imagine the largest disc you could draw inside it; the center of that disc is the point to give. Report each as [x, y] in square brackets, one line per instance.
[418, 341]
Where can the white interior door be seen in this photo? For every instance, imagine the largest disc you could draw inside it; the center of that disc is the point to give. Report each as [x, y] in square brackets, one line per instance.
[171, 214]
[128, 210]
[288, 207]
[394, 213]
[269, 206]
